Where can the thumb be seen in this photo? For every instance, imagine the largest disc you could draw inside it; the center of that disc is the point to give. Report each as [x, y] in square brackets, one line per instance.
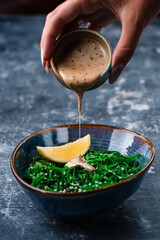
[125, 48]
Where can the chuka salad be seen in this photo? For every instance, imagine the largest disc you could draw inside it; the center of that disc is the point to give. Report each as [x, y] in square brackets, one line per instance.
[110, 167]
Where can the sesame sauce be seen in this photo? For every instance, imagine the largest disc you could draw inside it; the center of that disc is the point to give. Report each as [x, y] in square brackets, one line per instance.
[80, 63]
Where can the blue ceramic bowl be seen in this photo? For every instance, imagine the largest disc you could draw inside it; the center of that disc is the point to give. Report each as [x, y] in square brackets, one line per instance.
[91, 202]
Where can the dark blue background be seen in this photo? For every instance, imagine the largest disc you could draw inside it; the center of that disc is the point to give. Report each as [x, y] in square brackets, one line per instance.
[30, 101]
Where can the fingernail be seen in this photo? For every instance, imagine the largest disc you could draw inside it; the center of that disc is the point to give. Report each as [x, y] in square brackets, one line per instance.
[42, 60]
[46, 69]
[44, 63]
[116, 71]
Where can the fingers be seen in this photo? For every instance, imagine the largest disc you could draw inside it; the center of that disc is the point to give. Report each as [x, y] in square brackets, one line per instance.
[57, 21]
[125, 48]
[99, 19]
[69, 27]
[54, 24]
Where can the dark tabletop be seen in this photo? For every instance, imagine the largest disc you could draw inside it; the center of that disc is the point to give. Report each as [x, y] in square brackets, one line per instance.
[30, 101]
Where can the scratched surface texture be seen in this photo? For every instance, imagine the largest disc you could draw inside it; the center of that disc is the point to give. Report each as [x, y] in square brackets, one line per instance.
[30, 101]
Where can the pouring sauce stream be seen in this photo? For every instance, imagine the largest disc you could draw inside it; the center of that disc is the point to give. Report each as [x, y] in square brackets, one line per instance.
[80, 63]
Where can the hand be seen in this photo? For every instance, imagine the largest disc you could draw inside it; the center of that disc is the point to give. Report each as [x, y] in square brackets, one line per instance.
[134, 16]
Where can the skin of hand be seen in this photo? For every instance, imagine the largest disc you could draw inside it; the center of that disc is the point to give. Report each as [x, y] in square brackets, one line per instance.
[134, 15]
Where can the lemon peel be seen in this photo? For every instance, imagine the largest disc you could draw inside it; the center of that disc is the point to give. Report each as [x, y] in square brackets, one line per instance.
[66, 152]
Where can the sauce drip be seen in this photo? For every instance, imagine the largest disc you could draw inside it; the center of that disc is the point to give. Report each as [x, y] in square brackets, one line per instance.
[80, 97]
[80, 63]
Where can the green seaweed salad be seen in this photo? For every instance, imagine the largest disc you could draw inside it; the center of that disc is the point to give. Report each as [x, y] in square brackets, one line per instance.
[111, 167]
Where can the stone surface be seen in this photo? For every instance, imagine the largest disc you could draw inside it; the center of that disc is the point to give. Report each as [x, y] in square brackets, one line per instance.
[30, 101]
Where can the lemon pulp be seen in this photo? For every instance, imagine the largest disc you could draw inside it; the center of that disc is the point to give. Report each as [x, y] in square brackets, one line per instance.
[66, 152]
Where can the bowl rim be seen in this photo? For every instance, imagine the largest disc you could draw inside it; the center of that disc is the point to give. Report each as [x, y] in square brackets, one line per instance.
[81, 31]
[83, 193]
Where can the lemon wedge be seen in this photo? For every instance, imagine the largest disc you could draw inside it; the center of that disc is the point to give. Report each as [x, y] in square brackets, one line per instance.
[66, 152]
